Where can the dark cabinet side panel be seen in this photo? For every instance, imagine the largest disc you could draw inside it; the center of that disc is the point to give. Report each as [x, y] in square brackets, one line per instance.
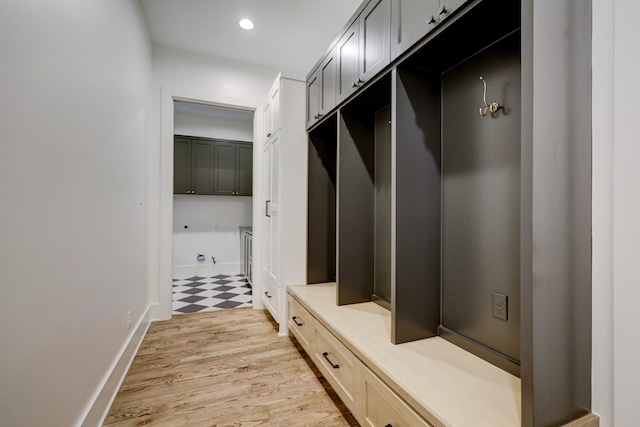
[382, 279]
[321, 237]
[355, 209]
[416, 305]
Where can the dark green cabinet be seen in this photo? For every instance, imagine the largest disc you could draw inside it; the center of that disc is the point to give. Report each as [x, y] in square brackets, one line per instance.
[193, 166]
[233, 168]
[212, 167]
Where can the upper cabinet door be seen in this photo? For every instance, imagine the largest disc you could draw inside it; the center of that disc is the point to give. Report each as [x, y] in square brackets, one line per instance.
[244, 169]
[411, 20]
[181, 166]
[272, 112]
[202, 162]
[328, 70]
[449, 6]
[313, 97]
[348, 63]
[225, 179]
[321, 89]
[375, 35]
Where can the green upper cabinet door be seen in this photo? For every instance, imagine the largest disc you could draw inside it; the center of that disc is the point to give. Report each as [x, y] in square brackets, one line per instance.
[206, 166]
[192, 166]
[202, 166]
[233, 168]
[181, 166]
[244, 169]
[225, 168]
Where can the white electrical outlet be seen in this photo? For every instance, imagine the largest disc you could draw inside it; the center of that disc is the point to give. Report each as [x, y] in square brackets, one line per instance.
[129, 319]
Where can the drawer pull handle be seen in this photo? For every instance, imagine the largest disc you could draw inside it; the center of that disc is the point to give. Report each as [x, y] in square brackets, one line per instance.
[295, 320]
[268, 294]
[333, 365]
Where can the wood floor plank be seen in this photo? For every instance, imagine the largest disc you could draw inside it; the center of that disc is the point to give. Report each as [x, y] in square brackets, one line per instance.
[224, 368]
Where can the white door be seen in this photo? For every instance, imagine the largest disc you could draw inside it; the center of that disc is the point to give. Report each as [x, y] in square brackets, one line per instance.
[271, 191]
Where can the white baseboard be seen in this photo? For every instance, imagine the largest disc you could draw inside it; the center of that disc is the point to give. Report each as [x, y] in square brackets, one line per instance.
[98, 409]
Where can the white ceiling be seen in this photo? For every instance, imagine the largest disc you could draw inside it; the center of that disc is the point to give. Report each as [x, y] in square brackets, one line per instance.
[289, 35]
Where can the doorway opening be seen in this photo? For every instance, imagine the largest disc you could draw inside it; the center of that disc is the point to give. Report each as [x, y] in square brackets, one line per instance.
[212, 208]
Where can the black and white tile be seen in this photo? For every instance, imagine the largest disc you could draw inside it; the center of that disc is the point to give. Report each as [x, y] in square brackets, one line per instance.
[199, 293]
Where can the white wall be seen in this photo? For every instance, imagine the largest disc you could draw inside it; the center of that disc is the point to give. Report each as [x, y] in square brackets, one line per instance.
[179, 75]
[76, 92]
[602, 264]
[213, 127]
[616, 209]
[212, 223]
[626, 214]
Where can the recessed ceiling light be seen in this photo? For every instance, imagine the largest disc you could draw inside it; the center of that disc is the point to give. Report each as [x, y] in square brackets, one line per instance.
[246, 24]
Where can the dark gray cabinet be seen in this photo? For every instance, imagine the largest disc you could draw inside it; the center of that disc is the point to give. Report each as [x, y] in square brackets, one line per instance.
[207, 167]
[364, 49]
[482, 206]
[321, 89]
[375, 36]
[411, 20]
[193, 166]
[233, 168]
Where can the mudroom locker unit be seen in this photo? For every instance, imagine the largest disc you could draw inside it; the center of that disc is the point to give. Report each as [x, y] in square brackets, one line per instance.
[452, 184]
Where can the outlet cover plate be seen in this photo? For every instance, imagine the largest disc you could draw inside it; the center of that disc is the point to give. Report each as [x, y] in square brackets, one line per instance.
[500, 306]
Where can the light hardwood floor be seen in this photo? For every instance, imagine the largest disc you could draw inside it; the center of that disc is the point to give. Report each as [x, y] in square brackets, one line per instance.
[224, 368]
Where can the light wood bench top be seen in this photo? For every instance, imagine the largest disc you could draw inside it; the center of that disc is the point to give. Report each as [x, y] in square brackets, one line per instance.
[447, 385]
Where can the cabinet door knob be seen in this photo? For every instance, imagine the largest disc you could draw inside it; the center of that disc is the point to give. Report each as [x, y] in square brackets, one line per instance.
[316, 117]
[432, 20]
[354, 84]
[268, 134]
[443, 10]
[319, 115]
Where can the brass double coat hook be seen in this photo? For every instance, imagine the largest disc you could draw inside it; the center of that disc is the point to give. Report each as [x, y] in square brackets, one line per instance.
[493, 107]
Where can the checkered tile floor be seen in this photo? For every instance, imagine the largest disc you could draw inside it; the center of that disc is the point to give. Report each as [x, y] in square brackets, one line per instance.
[196, 293]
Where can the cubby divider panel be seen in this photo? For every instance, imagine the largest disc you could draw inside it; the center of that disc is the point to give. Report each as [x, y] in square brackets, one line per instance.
[356, 210]
[416, 296]
[321, 209]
